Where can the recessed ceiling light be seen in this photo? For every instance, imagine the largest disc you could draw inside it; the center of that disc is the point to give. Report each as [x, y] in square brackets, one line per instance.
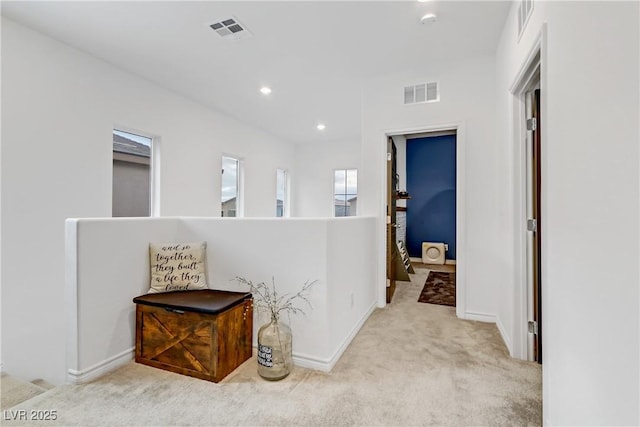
[321, 126]
[429, 17]
[265, 90]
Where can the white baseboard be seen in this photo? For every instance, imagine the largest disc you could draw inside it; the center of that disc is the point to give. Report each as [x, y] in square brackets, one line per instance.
[480, 317]
[505, 337]
[491, 318]
[326, 365]
[300, 359]
[310, 362]
[101, 368]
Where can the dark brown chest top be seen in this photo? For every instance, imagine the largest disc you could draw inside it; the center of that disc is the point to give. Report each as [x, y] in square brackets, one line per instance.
[203, 301]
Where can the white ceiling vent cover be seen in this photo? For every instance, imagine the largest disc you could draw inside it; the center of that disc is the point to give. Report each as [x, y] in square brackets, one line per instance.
[231, 29]
[421, 93]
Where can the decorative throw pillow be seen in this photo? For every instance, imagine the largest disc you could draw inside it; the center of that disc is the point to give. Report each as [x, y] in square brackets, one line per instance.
[177, 266]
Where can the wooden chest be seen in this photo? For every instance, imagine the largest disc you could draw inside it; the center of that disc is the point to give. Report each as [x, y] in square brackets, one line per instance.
[204, 334]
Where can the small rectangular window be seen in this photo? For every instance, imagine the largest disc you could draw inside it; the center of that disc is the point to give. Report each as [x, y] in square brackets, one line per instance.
[345, 192]
[282, 202]
[525, 9]
[131, 191]
[230, 191]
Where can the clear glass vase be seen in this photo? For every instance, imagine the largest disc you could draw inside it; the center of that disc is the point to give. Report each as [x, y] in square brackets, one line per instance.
[274, 350]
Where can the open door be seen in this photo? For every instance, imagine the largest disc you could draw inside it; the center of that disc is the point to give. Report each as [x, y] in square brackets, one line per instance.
[398, 262]
[392, 249]
[534, 225]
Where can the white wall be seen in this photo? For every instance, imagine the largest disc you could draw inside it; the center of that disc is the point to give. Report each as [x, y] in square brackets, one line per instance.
[313, 178]
[1, 222]
[336, 252]
[590, 196]
[108, 266]
[350, 294]
[289, 250]
[467, 93]
[59, 107]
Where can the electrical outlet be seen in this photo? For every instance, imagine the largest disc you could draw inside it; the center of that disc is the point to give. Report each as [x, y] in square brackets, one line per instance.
[446, 246]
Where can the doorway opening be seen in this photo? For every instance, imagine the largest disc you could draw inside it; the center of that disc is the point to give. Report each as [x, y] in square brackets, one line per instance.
[423, 205]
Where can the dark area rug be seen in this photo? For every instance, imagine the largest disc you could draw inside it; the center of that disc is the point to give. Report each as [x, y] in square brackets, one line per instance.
[440, 288]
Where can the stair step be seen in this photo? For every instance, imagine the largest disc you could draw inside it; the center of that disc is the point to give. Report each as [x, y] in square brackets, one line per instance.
[42, 383]
[15, 391]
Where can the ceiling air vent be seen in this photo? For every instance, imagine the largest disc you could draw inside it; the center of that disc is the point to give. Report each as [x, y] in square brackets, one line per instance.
[424, 92]
[230, 28]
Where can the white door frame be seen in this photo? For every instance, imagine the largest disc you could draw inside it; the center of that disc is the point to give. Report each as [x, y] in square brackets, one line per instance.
[461, 153]
[523, 297]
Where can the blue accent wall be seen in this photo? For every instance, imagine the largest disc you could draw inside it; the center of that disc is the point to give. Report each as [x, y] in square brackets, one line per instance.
[431, 183]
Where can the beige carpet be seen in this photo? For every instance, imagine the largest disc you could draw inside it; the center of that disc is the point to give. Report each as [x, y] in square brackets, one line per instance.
[411, 364]
[14, 391]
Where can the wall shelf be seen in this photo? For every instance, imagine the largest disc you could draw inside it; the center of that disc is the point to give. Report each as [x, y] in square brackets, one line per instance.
[404, 197]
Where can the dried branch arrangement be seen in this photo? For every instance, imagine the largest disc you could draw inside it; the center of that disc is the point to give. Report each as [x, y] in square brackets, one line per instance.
[266, 297]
